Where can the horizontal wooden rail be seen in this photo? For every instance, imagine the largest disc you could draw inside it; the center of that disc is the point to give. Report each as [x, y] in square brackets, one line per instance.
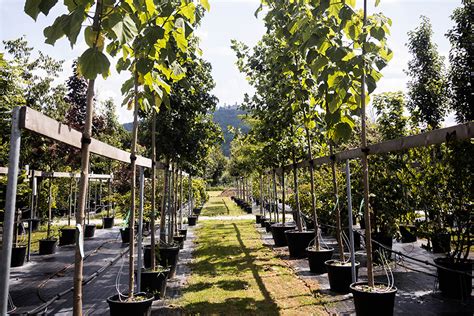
[438, 136]
[55, 174]
[41, 124]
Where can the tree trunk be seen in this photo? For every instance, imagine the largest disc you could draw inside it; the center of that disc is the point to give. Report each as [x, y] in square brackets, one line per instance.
[163, 204]
[275, 195]
[297, 198]
[131, 223]
[85, 160]
[48, 233]
[283, 194]
[153, 189]
[181, 199]
[261, 195]
[338, 211]
[365, 174]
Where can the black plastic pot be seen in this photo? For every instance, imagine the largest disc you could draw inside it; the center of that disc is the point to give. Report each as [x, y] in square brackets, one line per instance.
[47, 246]
[377, 250]
[108, 222]
[169, 259]
[340, 276]
[258, 218]
[317, 258]
[179, 240]
[192, 220]
[67, 237]
[278, 233]
[125, 234]
[441, 243]
[357, 240]
[197, 211]
[154, 282]
[268, 226]
[183, 232]
[18, 256]
[298, 242]
[408, 233]
[373, 303]
[124, 308]
[262, 222]
[452, 284]
[89, 230]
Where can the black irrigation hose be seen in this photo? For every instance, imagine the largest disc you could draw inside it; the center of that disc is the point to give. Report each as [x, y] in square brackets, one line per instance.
[426, 262]
[84, 282]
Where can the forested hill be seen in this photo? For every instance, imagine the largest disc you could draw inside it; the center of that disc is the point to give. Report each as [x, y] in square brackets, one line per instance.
[224, 116]
[229, 116]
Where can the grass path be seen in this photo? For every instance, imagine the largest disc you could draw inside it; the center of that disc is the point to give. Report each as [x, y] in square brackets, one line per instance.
[234, 274]
[220, 205]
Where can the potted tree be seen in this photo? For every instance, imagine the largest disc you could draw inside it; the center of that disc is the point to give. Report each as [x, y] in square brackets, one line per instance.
[48, 245]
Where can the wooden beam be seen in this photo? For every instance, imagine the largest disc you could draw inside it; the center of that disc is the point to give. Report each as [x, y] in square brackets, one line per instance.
[55, 174]
[438, 136]
[39, 123]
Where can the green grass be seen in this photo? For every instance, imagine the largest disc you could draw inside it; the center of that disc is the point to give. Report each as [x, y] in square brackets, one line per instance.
[234, 274]
[219, 205]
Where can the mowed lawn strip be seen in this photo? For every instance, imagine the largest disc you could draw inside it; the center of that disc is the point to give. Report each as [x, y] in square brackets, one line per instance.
[234, 274]
[220, 205]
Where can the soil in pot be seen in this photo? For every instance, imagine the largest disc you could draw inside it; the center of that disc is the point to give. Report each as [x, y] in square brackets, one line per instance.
[268, 226]
[183, 232]
[452, 284]
[441, 243]
[377, 301]
[89, 230]
[169, 259]
[120, 306]
[316, 258]
[408, 233]
[47, 246]
[107, 222]
[378, 251]
[278, 233]
[192, 220]
[125, 234]
[18, 256]
[340, 275]
[154, 282]
[67, 237]
[179, 240]
[298, 242]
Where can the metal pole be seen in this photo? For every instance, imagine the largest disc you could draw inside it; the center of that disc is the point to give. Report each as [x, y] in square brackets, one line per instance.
[10, 205]
[140, 229]
[351, 231]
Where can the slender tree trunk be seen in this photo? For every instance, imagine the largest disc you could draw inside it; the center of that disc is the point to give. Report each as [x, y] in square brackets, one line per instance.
[85, 159]
[170, 204]
[131, 266]
[283, 195]
[153, 190]
[365, 174]
[50, 197]
[181, 199]
[338, 210]
[276, 195]
[297, 198]
[313, 198]
[163, 204]
[70, 203]
[261, 195]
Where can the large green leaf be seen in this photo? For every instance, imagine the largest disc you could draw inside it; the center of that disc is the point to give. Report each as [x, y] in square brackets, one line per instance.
[92, 63]
[125, 29]
[34, 7]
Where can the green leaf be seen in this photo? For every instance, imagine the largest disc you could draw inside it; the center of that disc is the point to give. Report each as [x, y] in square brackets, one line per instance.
[205, 4]
[377, 2]
[125, 30]
[342, 131]
[55, 31]
[92, 63]
[34, 7]
[150, 7]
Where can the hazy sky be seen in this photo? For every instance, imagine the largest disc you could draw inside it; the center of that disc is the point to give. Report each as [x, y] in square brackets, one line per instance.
[234, 19]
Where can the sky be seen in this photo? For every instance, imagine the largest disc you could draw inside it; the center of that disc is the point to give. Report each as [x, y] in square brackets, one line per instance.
[234, 19]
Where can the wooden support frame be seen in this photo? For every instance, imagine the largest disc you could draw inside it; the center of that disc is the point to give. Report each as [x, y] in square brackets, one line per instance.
[438, 136]
[39, 123]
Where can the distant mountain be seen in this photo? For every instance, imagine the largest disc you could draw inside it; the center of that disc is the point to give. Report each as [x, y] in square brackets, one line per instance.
[224, 116]
[229, 116]
[128, 126]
